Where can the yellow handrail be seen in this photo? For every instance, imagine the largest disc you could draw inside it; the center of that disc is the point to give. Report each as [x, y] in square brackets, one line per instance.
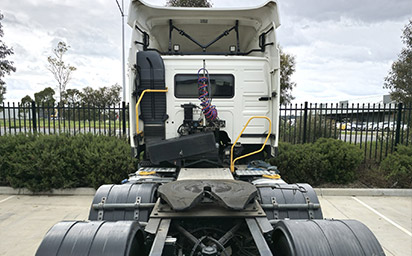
[232, 162]
[138, 103]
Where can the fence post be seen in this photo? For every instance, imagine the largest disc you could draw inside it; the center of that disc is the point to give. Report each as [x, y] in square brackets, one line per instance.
[398, 124]
[305, 120]
[33, 113]
[124, 117]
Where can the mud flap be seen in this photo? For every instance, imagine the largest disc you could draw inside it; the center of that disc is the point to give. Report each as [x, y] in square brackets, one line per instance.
[324, 238]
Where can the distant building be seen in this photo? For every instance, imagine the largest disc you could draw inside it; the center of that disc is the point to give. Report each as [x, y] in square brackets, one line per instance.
[377, 100]
[371, 109]
[379, 108]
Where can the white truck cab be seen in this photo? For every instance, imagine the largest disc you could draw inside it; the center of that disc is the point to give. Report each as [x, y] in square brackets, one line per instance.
[234, 49]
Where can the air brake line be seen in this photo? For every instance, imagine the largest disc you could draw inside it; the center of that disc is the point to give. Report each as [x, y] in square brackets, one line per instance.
[204, 87]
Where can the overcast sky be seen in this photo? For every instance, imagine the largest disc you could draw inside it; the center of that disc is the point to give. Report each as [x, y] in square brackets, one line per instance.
[343, 48]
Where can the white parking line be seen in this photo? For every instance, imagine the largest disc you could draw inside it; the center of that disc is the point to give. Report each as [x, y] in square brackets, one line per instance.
[4, 200]
[383, 216]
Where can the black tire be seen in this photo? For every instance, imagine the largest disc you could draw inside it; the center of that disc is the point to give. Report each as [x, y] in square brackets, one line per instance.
[94, 238]
[324, 238]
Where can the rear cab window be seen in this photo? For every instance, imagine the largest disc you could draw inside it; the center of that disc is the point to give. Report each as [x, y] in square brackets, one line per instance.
[222, 86]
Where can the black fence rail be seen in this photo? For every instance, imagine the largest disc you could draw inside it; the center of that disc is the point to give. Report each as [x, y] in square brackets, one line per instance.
[60, 118]
[375, 128]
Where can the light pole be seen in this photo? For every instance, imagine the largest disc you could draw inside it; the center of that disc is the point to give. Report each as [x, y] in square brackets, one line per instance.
[121, 9]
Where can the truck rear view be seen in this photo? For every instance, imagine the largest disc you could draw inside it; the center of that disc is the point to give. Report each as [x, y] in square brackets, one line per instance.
[232, 53]
[204, 97]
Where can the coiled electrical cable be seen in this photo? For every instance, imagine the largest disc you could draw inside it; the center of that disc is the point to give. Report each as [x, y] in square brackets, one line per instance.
[208, 109]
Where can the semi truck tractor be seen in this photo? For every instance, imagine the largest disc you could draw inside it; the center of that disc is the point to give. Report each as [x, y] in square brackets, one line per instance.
[204, 116]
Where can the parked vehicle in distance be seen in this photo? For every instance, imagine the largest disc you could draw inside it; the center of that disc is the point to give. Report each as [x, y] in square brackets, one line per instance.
[360, 126]
[367, 126]
[372, 126]
[382, 126]
[389, 126]
[392, 126]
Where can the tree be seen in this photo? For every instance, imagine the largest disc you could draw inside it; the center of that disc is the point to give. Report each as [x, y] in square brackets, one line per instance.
[399, 79]
[287, 68]
[189, 3]
[71, 96]
[25, 104]
[88, 96]
[109, 95]
[45, 97]
[61, 71]
[6, 66]
[26, 100]
[104, 96]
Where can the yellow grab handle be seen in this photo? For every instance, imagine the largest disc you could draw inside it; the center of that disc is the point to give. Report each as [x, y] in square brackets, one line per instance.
[138, 103]
[232, 162]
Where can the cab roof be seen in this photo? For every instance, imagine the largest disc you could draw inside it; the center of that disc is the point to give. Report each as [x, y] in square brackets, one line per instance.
[203, 25]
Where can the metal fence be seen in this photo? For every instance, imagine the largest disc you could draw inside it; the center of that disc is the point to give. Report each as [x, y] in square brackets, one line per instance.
[73, 119]
[375, 128]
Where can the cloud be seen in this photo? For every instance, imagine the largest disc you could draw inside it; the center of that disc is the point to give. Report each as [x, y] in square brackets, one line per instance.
[366, 10]
[377, 37]
[338, 80]
[343, 48]
[33, 29]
